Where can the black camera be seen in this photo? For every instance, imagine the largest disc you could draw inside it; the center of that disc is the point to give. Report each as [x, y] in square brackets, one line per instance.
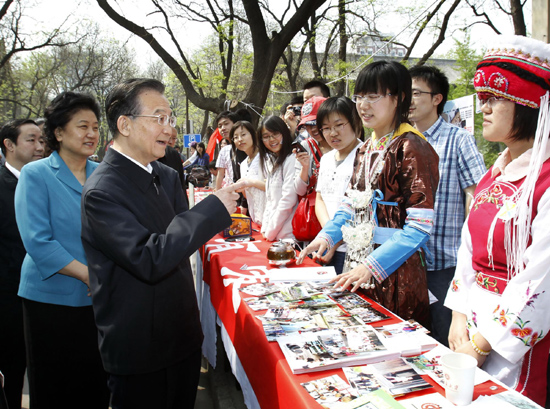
[297, 110]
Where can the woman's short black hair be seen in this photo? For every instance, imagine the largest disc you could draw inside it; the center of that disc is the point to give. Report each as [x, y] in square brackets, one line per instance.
[383, 77]
[276, 125]
[62, 109]
[524, 124]
[345, 107]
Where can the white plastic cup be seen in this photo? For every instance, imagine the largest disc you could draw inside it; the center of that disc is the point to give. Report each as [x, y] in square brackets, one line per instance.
[459, 371]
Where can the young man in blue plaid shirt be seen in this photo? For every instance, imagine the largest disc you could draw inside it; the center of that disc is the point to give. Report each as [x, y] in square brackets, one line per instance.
[461, 166]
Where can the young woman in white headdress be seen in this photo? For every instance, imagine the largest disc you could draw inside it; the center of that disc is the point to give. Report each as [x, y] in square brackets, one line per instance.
[501, 289]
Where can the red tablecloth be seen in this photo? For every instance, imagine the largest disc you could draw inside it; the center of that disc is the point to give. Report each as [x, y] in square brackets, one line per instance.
[270, 376]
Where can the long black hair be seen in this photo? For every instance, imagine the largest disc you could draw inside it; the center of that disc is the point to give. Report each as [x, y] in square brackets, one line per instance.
[276, 125]
[383, 77]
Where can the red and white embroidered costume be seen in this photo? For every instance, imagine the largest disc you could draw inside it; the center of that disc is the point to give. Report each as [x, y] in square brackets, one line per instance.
[509, 310]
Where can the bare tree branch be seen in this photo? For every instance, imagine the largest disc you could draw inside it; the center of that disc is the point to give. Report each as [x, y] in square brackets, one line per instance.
[441, 36]
[484, 15]
[420, 31]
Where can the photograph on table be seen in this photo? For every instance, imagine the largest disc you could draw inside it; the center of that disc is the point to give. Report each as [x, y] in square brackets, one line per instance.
[362, 379]
[309, 352]
[260, 289]
[405, 327]
[318, 301]
[257, 303]
[272, 330]
[398, 378]
[367, 314]
[348, 299]
[330, 391]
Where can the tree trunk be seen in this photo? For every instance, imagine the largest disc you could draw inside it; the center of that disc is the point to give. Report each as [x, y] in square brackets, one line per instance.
[340, 86]
[516, 10]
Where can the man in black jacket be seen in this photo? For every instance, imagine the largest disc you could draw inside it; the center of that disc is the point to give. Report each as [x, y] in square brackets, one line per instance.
[138, 235]
[21, 142]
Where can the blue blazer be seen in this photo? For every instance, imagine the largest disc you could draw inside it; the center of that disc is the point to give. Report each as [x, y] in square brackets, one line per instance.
[47, 210]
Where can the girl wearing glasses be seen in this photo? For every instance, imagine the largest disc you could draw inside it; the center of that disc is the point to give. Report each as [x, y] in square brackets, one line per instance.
[501, 288]
[245, 139]
[278, 162]
[341, 127]
[387, 214]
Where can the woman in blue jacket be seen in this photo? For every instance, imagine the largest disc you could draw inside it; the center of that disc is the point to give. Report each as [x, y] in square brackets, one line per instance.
[64, 366]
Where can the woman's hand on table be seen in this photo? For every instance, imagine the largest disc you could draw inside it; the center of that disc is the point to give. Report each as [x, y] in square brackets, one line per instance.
[468, 349]
[316, 248]
[325, 259]
[355, 277]
[458, 333]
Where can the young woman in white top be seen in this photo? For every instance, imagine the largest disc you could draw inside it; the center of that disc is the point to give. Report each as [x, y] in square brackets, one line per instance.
[278, 162]
[341, 127]
[243, 136]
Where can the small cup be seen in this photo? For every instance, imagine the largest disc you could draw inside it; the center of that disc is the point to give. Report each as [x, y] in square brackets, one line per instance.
[459, 371]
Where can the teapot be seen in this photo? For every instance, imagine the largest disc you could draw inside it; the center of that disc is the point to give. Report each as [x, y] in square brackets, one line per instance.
[281, 253]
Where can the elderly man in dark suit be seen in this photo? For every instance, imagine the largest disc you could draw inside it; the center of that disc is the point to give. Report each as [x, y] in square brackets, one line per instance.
[138, 235]
[21, 142]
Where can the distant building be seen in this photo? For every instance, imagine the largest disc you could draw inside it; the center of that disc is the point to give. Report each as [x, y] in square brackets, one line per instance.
[370, 44]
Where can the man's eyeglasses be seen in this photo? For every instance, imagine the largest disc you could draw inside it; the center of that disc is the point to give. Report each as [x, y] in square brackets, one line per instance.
[418, 93]
[370, 98]
[161, 119]
[336, 128]
[490, 101]
[275, 136]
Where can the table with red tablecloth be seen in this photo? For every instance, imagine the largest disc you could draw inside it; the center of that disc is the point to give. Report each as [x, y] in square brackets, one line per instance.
[259, 365]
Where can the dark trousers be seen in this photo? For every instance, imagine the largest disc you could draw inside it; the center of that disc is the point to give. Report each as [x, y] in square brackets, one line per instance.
[337, 261]
[63, 362]
[438, 283]
[12, 348]
[174, 387]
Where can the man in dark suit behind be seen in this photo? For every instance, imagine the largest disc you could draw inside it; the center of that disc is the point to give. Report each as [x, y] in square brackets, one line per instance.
[21, 142]
[138, 235]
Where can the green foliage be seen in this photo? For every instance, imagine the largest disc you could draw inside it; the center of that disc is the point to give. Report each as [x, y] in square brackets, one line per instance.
[466, 62]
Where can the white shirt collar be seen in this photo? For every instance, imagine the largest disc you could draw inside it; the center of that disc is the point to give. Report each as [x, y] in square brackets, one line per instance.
[148, 168]
[15, 172]
[509, 170]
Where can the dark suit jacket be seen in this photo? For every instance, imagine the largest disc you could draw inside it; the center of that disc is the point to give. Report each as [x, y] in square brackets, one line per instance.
[12, 251]
[138, 235]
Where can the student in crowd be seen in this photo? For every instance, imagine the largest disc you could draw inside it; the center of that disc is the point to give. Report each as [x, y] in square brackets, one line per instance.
[224, 162]
[315, 88]
[202, 157]
[63, 363]
[341, 127]
[292, 115]
[388, 212]
[21, 142]
[193, 157]
[278, 162]
[245, 139]
[307, 163]
[461, 166]
[501, 289]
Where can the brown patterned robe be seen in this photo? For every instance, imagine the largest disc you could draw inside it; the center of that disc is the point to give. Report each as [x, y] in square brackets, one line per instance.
[410, 177]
